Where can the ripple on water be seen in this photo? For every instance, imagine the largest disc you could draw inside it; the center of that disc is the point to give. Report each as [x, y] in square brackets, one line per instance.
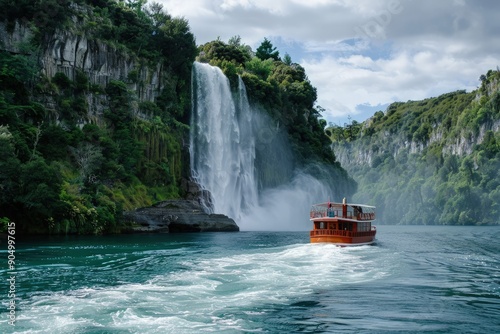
[288, 287]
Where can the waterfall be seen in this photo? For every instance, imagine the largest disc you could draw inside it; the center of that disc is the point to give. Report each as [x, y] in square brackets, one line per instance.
[222, 142]
[238, 155]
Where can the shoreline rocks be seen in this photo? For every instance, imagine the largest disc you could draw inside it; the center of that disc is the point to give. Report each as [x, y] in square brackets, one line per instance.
[178, 216]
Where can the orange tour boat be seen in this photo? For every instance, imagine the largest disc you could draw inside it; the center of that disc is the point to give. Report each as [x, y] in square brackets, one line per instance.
[343, 224]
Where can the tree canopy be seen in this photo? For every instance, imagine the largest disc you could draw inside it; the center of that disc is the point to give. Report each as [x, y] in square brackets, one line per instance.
[266, 50]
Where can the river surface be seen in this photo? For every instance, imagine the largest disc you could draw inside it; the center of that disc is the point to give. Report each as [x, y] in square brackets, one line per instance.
[416, 279]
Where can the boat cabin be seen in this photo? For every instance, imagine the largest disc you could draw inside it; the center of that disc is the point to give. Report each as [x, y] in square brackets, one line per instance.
[342, 223]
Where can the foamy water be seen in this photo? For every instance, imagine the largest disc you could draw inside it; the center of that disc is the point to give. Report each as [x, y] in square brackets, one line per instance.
[181, 290]
[415, 279]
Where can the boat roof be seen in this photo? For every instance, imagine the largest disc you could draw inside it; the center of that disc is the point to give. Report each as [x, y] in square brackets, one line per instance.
[327, 204]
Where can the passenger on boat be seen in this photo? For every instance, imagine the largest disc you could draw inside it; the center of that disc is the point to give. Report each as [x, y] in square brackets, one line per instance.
[331, 213]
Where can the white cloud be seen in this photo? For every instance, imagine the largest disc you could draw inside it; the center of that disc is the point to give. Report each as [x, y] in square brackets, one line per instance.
[190, 9]
[344, 84]
[362, 53]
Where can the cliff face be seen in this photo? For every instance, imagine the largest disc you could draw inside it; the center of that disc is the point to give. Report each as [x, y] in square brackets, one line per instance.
[358, 154]
[67, 52]
[93, 109]
[433, 161]
[464, 145]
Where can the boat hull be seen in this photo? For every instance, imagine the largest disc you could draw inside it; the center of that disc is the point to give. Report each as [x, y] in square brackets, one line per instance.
[343, 241]
[342, 238]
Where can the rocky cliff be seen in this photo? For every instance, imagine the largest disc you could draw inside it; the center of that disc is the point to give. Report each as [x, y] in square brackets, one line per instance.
[456, 122]
[352, 153]
[68, 52]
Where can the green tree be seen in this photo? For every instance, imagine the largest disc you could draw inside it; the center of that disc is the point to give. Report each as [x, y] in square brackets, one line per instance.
[266, 50]
[234, 41]
[287, 60]
[217, 51]
[9, 171]
[261, 68]
[38, 192]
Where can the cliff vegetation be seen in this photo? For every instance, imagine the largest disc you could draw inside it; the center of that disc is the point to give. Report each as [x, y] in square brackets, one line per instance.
[94, 107]
[434, 161]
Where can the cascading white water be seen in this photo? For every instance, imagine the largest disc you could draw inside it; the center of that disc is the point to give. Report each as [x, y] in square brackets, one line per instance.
[223, 147]
[222, 142]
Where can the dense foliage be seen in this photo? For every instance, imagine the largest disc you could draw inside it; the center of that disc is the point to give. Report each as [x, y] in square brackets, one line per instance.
[282, 89]
[434, 161]
[62, 171]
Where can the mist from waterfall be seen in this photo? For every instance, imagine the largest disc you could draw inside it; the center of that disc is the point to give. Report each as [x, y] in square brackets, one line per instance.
[243, 159]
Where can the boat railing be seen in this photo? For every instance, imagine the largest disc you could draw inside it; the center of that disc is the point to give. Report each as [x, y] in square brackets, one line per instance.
[366, 216]
[323, 212]
[343, 233]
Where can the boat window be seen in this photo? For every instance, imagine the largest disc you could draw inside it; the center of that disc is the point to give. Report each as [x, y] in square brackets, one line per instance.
[345, 226]
[321, 225]
[363, 227]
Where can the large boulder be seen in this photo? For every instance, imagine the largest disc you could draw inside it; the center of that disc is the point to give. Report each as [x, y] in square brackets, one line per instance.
[176, 216]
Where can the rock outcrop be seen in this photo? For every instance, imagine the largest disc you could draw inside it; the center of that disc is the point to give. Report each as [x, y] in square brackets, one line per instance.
[175, 216]
[67, 52]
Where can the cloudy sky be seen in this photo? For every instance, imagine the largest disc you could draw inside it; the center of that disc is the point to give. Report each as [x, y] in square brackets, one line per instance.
[362, 55]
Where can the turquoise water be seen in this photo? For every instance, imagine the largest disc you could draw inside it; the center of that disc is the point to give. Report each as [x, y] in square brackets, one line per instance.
[414, 280]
